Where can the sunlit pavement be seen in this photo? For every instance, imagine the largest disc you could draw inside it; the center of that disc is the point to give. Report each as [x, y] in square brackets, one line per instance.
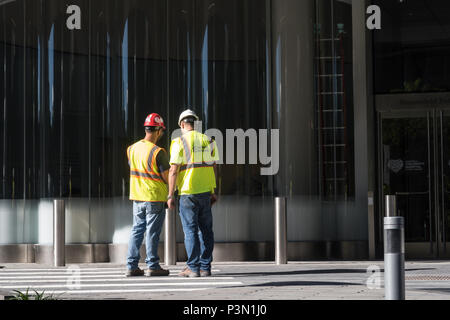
[230, 281]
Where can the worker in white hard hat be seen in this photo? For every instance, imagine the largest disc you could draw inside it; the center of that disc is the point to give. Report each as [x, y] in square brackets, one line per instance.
[193, 159]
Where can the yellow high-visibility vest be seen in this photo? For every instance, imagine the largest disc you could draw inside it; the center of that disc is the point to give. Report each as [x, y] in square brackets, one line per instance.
[146, 182]
[196, 155]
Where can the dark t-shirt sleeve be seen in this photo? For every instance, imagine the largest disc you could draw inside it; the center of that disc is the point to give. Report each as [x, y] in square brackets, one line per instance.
[162, 161]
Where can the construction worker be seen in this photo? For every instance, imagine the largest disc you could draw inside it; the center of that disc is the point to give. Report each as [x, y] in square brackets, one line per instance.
[193, 159]
[149, 170]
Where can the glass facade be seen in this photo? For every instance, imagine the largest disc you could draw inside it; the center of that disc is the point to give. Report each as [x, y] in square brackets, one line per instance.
[73, 100]
[412, 49]
[411, 80]
[334, 99]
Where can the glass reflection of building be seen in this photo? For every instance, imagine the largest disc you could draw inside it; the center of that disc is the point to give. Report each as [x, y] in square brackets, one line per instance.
[73, 100]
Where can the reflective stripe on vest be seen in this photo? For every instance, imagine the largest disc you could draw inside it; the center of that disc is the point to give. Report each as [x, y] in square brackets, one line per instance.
[150, 171]
[197, 167]
[146, 183]
[145, 175]
[188, 154]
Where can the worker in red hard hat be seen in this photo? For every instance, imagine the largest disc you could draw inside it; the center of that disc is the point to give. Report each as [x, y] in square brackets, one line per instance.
[149, 170]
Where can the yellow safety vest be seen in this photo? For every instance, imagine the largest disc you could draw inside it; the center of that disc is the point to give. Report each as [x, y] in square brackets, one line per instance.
[195, 154]
[146, 183]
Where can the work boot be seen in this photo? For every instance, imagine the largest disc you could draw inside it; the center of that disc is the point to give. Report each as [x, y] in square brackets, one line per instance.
[156, 273]
[134, 273]
[188, 273]
[205, 273]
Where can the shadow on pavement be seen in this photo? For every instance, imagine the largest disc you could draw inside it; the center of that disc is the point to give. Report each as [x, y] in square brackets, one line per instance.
[306, 272]
[435, 290]
[298, 283]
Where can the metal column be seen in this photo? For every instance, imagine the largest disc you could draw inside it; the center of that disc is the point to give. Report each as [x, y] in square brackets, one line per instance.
[280, 231]
[391, 206]
[170, 243]
[59, 233]
[394, 253]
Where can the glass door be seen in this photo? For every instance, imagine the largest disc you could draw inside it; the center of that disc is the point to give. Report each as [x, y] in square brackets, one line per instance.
[443, 119]
[415, 157]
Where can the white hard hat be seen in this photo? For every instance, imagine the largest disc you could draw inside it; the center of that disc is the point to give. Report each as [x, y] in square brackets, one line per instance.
[186, 114]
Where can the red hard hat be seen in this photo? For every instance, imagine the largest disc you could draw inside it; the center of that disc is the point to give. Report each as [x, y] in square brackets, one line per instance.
[154, 120]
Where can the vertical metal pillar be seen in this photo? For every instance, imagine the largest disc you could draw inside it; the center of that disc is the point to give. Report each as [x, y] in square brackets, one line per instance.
[394, 253]
[391, 206]
[371, 225]
[59, 233]
[170, 243]
[280, 231]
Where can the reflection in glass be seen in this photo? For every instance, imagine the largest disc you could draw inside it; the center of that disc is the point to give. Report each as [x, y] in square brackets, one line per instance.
[75, 99]
[84, 94]
[412, 49]
[406, 172]
[334, 102]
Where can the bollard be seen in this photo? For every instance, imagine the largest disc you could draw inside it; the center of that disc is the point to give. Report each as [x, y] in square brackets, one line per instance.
[394, 254]
[280, 231]
[391, 206]
[59, 233]
[170, 243]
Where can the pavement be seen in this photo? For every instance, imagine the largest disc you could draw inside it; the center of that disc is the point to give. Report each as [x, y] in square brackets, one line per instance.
[328, 280]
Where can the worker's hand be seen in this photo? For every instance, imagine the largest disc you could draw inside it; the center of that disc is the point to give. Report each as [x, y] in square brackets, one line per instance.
[213, 199]
[171, 204]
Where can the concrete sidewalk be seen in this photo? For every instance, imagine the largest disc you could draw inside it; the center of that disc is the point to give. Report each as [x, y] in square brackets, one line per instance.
[425, 280]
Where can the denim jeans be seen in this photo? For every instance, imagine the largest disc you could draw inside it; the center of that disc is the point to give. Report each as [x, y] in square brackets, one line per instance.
[146, 216]
[196, 218]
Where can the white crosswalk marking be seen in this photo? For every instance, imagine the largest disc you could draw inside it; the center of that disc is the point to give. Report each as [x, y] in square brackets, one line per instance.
[122, 291]
[138, 279]
[143, 284]
[103, 280]
[97, 270]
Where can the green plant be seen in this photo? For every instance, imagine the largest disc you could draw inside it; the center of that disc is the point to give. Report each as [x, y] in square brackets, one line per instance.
[27, 296]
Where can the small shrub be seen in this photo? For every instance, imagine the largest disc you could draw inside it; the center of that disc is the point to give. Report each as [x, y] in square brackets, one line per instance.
[30, 296]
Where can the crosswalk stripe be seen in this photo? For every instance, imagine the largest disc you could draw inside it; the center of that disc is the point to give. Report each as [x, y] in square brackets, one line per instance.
[140, 279]
[64, 277]
[74, 271]
[106, 285]
[82, 269]
[70, 277]
[125, 291]
[105, 280]
[59, 269]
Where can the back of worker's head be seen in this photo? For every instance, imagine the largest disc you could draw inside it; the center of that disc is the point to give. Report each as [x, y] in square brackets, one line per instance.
[152, 129]
[187, 118]
[154, 126]
[189, 122]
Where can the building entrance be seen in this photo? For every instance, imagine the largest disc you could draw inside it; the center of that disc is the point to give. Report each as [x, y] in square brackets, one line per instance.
[414, 152]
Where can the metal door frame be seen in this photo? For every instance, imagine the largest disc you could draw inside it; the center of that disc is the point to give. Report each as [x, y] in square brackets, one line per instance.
[434, 107]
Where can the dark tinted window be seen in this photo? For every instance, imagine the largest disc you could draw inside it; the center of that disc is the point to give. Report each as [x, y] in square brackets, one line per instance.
[412, 50]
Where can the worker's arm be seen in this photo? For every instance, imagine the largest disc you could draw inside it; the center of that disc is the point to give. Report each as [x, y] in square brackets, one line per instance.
[214, 193]
[162, 161]
[216, 174]
[215, 158]
[173, 174]
[165, 176]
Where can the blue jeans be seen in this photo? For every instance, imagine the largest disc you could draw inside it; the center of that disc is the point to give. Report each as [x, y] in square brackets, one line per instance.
[146, 216]
[196, 218]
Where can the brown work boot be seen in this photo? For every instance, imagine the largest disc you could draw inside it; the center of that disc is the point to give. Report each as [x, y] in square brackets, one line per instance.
[156, 273]
[188, 273]
[134, 273]
[205, 273]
